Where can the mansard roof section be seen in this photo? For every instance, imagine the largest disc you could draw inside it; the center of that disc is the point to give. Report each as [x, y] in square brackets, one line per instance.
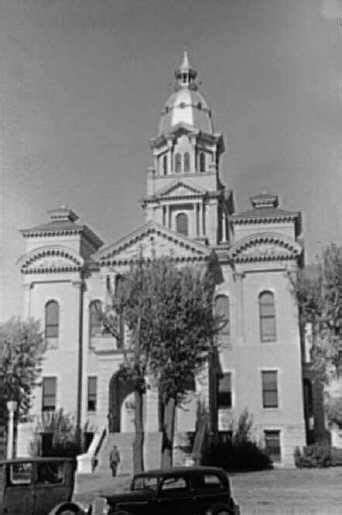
[51, 259]
[265, 246]
[63, 222]
[148, 242]
[183, 128]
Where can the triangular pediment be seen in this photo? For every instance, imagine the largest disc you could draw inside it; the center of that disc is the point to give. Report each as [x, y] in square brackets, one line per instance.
[180, 189]
[48, 259]
[265, 247]
[152, 241]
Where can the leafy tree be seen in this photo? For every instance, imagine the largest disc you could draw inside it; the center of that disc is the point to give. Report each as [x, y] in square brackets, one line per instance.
[131, 307]
[319, 294]
[184, 325]
[168, 311]
[21, 351]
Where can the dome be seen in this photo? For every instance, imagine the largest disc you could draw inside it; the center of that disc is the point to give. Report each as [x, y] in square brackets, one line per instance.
[186, 104]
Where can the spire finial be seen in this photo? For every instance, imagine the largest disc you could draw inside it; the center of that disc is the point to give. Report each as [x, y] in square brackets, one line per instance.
[185, 74]
[185, 63]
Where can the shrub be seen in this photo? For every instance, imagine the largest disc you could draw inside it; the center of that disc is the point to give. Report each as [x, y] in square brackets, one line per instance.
[237, 456]
[317, 455]
[240, 452]
[336, 457]
[62, 436]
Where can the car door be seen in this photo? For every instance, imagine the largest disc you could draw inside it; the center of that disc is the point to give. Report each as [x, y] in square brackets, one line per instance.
[175, 496]
[18, 494]
[49, 486]
[209, 489]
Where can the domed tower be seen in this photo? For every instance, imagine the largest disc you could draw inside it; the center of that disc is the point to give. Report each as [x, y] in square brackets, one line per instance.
[184, 191]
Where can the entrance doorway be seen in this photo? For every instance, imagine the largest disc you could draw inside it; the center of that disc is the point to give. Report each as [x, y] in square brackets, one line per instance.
[119, 389]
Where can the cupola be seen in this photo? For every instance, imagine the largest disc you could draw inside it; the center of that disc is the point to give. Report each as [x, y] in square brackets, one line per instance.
[186, 105]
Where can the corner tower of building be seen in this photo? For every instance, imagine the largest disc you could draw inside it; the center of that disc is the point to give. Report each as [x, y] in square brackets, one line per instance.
[184, 190]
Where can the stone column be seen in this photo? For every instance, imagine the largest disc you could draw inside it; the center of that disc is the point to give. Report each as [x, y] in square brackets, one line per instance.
[27, 299]
[169, 216]
[203, 219]
[239, 276]
[80, 372]
[197, 219]
[224, 228]
[11, 406]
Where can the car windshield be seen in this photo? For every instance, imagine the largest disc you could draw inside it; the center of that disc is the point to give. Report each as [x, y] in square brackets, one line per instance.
[145, 483]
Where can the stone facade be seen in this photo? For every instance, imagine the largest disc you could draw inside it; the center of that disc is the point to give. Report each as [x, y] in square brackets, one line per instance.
[189, 212]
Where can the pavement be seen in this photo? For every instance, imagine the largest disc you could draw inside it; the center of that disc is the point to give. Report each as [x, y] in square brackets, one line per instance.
[272, 492]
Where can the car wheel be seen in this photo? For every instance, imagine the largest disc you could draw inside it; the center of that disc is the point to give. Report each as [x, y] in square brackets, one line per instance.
[220, 510]
[68, 509]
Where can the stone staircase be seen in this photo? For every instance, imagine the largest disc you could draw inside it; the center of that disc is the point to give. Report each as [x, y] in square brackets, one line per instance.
[124, 442]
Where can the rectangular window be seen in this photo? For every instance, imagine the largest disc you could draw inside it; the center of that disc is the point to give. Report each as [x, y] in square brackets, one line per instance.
[225, 391]
[272, 444]
[49, 394]
[270, 389]
[92, 393]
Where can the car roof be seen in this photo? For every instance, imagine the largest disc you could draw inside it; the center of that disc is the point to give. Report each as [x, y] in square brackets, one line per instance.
[36, 460]
[181, 471]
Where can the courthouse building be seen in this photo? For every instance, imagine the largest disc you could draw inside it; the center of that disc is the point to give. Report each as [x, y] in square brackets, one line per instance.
[189, 212]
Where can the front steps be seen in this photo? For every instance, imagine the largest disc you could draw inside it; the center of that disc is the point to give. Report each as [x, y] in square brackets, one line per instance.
[124, 442]
[152, 451]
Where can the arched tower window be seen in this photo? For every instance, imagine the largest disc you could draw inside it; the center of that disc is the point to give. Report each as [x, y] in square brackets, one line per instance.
[202, 162]
[95, 322]
[186, 162]
[222, 312]
[267, 317]
[182, 224]
[178, 163]
[51, 319]
[165, 165]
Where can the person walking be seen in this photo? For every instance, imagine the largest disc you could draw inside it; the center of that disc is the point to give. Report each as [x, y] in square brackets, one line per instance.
[114, 460]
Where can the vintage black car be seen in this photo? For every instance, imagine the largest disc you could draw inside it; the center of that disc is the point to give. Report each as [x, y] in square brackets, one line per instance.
[34, 486]
[188, 490]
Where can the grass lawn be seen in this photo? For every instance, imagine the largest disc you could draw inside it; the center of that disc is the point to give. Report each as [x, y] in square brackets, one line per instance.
[279, 491]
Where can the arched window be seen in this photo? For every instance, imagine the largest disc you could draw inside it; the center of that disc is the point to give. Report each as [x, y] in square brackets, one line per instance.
[51, 319]
[202, 162]
[267, 317]
[95, 323]
[186, 162]
[165, 165]
[178, 163]
[222, 312]
[182, 224]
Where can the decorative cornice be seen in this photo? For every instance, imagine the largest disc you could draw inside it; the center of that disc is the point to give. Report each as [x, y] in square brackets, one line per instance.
[257, 219]
[175, 259]
[291, 249]
[182, 127]
[26, 262]
[90, 236]
[38, 233]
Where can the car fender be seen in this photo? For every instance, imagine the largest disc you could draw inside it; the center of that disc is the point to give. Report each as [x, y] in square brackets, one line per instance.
[68, 506]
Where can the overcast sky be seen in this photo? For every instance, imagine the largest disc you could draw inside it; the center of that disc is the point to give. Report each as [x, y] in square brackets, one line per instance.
[82, 84]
